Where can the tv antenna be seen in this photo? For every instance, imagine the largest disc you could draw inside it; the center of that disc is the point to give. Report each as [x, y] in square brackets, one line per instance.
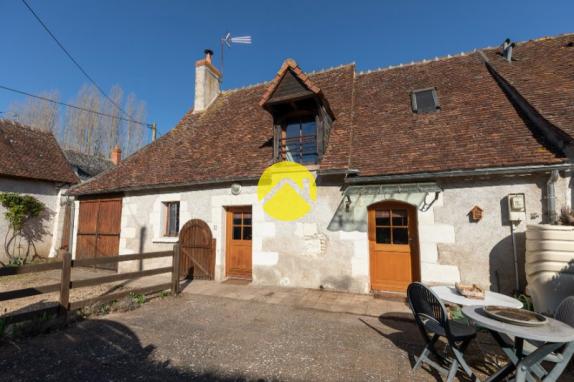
[228, 40]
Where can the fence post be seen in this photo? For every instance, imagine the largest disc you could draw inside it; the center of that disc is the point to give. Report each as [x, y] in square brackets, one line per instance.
[65, 282]
[175, 271]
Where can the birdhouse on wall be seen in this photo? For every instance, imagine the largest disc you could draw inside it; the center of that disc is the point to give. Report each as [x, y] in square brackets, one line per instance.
[475, 214]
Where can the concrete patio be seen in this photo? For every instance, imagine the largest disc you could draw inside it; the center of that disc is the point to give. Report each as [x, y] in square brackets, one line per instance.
[324, 300]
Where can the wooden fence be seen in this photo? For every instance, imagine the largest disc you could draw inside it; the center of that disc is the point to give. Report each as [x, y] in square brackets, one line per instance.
[66, 283]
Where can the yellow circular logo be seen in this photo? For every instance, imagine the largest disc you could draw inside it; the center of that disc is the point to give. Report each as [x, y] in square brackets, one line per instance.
[287, 190]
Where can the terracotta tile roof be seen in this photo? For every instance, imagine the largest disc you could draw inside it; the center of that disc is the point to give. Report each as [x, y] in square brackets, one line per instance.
[289, 64]
[375, 130]
[542, 71]
[476, 126]
[231, 140]
[33, 154]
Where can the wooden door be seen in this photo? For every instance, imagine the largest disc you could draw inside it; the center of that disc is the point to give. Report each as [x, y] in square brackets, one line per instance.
[197, 251]
[393, 246]
[238, 234]
[99, 226]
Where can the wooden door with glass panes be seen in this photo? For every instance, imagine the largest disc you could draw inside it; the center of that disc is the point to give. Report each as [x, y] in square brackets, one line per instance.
[238, 234]
[393, 246]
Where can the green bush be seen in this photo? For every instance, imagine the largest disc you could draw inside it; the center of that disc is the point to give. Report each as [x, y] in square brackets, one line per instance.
[20, 208]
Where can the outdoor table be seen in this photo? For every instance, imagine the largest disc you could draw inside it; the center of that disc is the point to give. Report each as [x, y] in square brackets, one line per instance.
[553, 335]
[451, 296]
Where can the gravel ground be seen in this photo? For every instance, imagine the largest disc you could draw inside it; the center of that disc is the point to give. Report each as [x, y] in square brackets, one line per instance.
[210, 338]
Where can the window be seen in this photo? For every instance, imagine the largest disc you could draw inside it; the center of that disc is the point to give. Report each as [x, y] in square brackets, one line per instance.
[425, 101]
[171, 218]
[392, 226]
[241, 225]
[299, 141]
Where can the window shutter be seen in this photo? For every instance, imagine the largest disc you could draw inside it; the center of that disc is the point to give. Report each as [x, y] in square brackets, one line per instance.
[320, 122]
[414, 101]
[276, 142]
[435, 98]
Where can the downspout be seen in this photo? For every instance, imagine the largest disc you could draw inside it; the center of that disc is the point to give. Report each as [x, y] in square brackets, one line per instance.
[551, 196]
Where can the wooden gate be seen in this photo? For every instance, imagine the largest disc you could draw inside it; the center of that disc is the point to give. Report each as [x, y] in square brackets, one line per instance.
[99, 226]
[197, 251]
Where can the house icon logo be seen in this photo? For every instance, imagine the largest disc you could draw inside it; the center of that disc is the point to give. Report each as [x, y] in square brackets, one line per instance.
[287, 190]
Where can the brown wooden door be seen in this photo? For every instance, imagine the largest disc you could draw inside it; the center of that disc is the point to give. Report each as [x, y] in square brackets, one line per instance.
[99, 227]
[393, 246]
[197, 251]
[238, 234]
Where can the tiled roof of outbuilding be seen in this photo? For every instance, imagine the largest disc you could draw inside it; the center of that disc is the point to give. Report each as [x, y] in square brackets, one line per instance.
[32, 154]
[375, 130]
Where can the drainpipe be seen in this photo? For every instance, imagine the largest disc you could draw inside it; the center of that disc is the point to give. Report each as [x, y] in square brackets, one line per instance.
[551, 196]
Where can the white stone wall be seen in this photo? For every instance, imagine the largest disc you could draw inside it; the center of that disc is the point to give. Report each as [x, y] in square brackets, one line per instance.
[306, 254]
[482, 251]
[44, 227]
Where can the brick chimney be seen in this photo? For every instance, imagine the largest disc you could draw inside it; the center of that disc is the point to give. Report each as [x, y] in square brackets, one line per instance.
[206, 82]
[116, 156]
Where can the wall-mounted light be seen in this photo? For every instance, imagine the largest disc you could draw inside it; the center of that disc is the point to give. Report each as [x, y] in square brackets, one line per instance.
[236, 188]
[347, 203]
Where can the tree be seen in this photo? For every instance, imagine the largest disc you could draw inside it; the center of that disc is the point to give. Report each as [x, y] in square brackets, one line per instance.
[20, 211]
[86, 132]
[37, 113]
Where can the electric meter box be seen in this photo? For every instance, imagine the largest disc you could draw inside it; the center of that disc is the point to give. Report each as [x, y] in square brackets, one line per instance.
[516, 207]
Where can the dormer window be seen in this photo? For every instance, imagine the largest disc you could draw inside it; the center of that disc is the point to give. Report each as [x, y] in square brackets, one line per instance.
[299, 140]
[424, 101]
[302, 117]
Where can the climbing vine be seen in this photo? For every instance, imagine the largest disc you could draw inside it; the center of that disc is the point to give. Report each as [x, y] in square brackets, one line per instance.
[20, 209]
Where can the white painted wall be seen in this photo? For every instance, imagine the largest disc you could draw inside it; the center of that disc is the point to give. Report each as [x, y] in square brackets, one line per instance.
[47, 193]
[306, 254]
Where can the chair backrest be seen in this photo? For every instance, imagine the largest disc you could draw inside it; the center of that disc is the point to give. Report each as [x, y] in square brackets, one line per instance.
[565, 311]
[426, 305]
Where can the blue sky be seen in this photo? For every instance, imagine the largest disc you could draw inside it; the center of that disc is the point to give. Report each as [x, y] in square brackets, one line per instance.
[149, 46]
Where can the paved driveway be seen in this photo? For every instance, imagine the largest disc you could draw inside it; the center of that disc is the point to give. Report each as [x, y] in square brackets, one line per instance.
[206, 337]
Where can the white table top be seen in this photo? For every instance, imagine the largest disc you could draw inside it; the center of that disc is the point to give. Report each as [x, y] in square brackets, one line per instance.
[450, 295]
[552, 331]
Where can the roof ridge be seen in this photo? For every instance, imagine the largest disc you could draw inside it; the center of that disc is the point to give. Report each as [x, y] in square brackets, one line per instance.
[461, 54]
[318, 71]
[423, 61]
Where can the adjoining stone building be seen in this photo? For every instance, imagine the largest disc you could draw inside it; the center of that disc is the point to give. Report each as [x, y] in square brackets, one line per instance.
[414, 165]
[32, 163]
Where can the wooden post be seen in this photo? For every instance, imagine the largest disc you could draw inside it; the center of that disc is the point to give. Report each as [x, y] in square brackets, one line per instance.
[175, 272]
[65, 282]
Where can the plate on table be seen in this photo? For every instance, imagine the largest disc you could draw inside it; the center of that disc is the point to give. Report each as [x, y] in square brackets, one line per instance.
[515, 316]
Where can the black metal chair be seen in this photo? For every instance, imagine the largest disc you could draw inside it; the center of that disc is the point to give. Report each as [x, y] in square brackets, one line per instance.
[432, 320]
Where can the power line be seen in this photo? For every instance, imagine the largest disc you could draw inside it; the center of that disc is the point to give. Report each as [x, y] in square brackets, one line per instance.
[148, 125]
[73, 60]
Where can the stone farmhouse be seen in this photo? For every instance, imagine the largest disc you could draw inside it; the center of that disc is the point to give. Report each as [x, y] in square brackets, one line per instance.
[420, 170]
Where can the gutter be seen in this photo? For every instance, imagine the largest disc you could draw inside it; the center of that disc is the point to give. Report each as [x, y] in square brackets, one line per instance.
[343, 171]
[338, 171]
[459, 173]
[551, 196]
[164, 186]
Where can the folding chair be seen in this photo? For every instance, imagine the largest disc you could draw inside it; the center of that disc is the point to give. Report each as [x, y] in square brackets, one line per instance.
[432, 320]
[564, 313]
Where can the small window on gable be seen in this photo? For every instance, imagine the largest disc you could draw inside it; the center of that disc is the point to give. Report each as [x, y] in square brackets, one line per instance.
[425, 101]
[171, 218]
